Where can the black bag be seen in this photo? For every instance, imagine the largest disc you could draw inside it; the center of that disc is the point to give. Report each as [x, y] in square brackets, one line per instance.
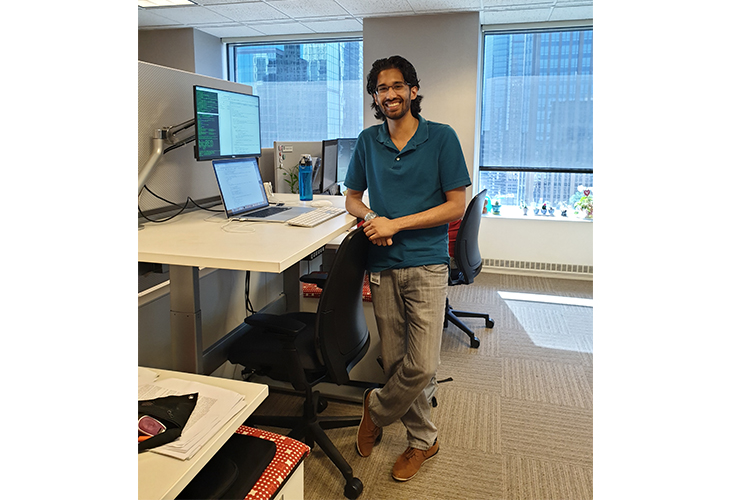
[172, 411]
[233, 471]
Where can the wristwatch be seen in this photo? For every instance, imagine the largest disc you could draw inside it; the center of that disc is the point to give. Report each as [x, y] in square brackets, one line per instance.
[370, 216]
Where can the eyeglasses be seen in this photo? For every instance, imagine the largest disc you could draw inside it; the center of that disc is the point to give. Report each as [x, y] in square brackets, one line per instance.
[150, 426]
[398, 87]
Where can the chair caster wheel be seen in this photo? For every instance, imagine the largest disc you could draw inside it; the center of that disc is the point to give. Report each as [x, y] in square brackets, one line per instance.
[490, 324]
[321, 405]
[475, 342]
[353, 489]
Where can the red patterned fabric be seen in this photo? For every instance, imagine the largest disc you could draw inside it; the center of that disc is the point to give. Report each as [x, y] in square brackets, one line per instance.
[312, 291]
[289, 452]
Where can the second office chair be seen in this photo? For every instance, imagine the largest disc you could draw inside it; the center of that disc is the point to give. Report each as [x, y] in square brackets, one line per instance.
[308, 348]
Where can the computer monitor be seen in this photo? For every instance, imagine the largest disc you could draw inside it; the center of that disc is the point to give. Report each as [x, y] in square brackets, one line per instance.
[329, 164]
[336, 155]
[345, 147]
[227, 124]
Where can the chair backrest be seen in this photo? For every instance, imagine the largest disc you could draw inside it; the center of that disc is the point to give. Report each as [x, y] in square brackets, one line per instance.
[466, 254]
[340, 331]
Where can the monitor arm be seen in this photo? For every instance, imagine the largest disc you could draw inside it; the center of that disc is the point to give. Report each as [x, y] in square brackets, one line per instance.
[166, 135]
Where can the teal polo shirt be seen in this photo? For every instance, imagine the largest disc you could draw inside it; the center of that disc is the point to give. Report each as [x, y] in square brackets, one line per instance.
[405, 182]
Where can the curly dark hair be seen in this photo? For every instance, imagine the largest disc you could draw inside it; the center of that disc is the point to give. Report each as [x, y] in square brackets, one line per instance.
[409, 74]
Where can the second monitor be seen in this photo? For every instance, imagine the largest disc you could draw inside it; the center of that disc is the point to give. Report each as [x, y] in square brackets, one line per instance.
[336, 155]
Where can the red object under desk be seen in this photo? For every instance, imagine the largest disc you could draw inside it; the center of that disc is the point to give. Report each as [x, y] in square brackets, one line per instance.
[289, 453]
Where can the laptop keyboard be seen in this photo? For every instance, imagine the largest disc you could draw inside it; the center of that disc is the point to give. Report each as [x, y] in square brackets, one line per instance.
[269, 211]
[315, 217]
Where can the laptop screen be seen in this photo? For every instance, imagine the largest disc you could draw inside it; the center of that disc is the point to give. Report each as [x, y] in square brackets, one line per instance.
[240, 184]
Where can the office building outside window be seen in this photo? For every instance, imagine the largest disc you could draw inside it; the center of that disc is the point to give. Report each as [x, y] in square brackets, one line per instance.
[537, 117]
[308, 91]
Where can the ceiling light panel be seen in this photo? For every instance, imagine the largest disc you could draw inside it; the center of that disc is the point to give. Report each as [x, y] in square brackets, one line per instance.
[147, 4]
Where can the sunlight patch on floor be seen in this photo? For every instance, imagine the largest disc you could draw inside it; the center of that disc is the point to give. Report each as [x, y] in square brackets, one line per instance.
[551, 322]
[549, 299]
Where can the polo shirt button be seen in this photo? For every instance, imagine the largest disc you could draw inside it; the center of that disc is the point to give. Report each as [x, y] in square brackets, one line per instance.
[397, 159]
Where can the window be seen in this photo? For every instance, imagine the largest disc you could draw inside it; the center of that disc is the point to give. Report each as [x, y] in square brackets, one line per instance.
[537, 117]
[308, 91]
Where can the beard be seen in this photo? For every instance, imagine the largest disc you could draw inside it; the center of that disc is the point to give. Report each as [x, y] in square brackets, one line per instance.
[398, 113]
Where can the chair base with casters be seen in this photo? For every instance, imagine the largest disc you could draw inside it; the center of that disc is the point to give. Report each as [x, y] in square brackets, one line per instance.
[453, 316]
[309, 429]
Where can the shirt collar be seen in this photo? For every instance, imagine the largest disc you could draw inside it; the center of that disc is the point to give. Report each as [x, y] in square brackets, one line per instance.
[419, 137]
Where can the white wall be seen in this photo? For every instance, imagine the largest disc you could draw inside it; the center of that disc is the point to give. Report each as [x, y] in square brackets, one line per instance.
[531, 240]
[187, 49]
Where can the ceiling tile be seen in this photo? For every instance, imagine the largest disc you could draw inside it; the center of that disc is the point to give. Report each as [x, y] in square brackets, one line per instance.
[310, 8]
[281, 28]
[420, 6]
[522, 4]
[335, 26]
[147, 18]
[245, 12]
[190, 15]
[514, 16]
[375, 7]
[218, 2]
[231, 31]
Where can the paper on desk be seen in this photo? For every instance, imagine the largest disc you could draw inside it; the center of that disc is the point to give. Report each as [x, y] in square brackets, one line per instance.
[215, 407]
[145, 376]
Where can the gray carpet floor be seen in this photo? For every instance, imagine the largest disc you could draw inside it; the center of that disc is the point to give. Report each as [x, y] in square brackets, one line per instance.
[516, 422]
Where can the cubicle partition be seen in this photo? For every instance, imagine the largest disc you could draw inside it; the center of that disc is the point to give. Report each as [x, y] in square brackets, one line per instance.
[165, 99]
[286, 158]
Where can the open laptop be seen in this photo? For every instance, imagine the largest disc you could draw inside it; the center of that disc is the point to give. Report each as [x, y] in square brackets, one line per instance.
[243, 194]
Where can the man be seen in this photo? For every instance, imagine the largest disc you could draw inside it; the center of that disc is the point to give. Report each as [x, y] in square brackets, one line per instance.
[416, 177]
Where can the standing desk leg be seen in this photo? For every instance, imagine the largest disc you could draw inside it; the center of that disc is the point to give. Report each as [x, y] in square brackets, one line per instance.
[186, 325]
[293, 287]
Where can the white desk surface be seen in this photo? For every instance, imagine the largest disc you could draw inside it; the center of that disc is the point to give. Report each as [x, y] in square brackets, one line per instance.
[191, 240]
[160, 476]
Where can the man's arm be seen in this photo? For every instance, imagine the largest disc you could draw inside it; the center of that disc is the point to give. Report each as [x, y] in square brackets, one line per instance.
[381, 229]
[356, 207]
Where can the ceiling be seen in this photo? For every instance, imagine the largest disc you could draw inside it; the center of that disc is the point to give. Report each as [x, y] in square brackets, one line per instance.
[258, 18]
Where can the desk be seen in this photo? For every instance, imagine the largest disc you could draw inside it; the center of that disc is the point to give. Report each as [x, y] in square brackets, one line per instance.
[160, 476]
[189, 242]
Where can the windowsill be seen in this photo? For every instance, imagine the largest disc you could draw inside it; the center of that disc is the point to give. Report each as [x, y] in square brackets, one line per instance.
[513, 213]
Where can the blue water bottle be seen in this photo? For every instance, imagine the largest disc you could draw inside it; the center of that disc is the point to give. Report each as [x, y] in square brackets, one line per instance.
[305, 178]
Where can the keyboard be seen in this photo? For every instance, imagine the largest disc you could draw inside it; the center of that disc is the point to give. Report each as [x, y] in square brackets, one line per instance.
[315, 217]
[269, 211]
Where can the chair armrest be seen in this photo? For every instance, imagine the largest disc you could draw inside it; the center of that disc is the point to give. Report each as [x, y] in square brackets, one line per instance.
[277, 324]
[316, 278]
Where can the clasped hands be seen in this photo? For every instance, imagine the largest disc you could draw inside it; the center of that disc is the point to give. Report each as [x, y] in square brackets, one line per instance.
[380, 231]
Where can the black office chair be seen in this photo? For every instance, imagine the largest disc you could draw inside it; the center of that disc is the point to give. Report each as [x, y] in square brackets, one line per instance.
[307, 348]
[468, 265]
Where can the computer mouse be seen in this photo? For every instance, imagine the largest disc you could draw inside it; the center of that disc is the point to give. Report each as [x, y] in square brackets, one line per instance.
[321, 203]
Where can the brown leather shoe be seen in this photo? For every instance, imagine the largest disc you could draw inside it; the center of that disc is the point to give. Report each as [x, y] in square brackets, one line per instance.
[368, 434]
[409, 463]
